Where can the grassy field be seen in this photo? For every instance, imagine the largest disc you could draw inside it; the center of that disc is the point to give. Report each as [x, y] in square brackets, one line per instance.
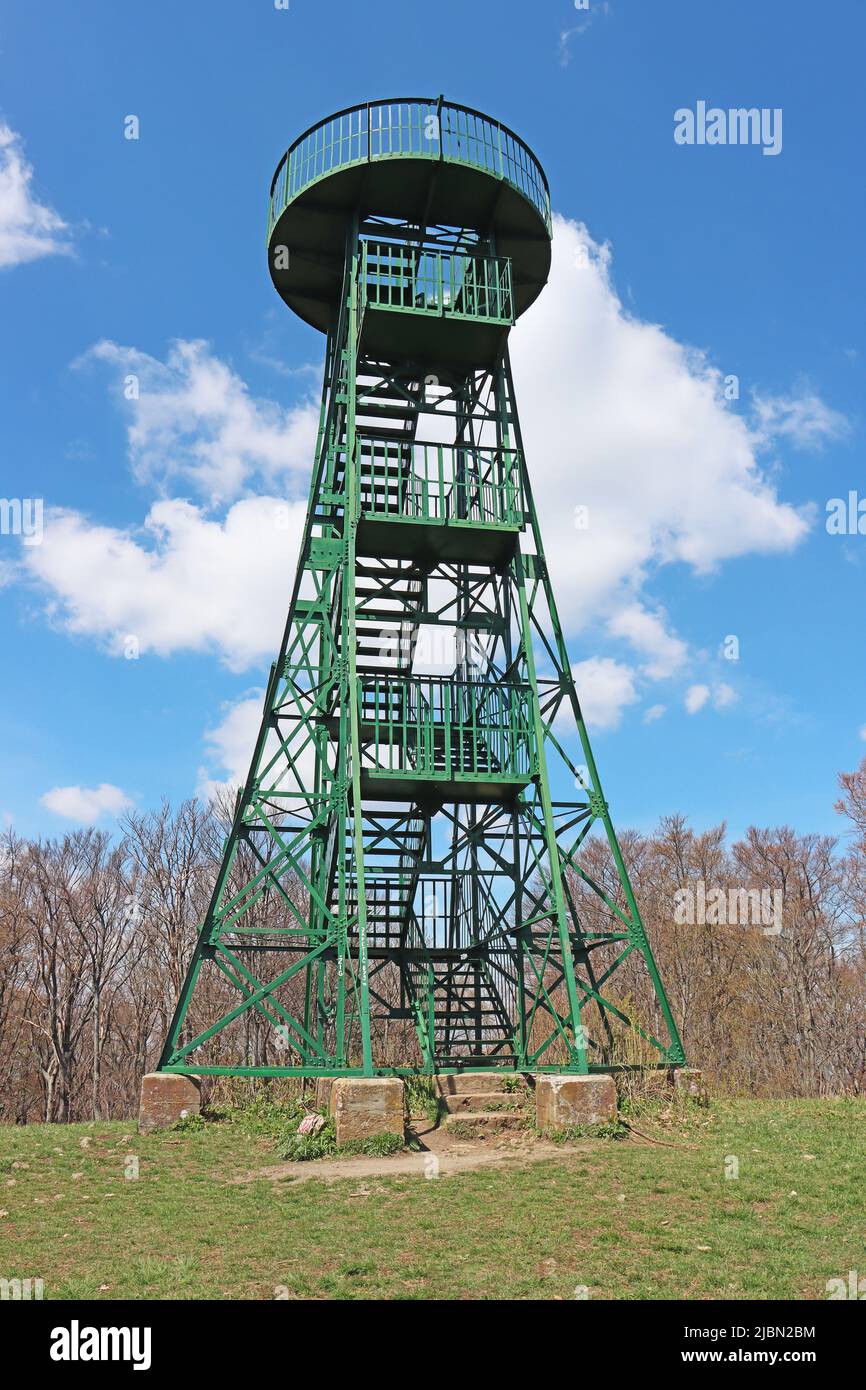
[623, 1219]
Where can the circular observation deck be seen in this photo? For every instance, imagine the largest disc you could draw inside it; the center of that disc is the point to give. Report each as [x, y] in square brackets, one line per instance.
[424, 160]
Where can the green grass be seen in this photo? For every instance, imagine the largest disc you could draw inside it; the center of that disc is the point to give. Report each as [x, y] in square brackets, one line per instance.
[626, 1220]
[613, 1129]
[374, 1146]
[303, 1148]
[422, 1098]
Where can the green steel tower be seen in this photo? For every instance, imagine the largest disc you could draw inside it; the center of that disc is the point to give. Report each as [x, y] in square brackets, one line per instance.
[402, 887]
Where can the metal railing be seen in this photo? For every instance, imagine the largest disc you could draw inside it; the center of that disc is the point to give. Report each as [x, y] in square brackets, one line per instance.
[444, 283]
[413, 127]
[444, 912]
[437, 727]
[387, 907]
[439, 482]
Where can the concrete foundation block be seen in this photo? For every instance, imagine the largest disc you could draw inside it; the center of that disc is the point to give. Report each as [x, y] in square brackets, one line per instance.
[564, 1101]
[167, 1098]
[689, 1081]
[368, 1105]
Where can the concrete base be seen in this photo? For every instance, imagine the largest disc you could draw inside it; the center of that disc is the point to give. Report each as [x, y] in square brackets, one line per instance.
[564, 1101]
[368, 1105]
[689, 1081]
[167, 1098]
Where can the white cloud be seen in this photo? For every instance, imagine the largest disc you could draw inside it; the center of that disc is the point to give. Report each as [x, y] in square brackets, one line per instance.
[230, 745]
[805, 420]
[604, 688]
[863, 731]
[653, 713]
[621, 418]
[185, 583]
[28, 229]
[647, 633]
[86, 804]
[194, 419]
[696, 698]
[617, 416]
[186, 580]
[566, 36]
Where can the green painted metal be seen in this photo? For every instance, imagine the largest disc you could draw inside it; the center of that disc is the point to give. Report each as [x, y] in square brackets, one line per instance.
[440, 283]
[408, 128]
[403, 888]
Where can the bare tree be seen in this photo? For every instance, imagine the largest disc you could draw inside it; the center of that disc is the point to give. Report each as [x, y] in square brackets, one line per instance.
[173, 872]
[59, 1002]
[102, 913]
[96, 935]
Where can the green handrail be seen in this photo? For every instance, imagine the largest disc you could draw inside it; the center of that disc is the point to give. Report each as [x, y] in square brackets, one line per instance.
[408, 127]
[440, 727]
[447, 284]
[476, 484]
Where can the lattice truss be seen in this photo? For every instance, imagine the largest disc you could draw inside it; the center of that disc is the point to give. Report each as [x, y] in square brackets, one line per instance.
[404, 884]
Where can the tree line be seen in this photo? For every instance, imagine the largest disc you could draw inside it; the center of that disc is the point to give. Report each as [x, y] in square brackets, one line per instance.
[96, 932]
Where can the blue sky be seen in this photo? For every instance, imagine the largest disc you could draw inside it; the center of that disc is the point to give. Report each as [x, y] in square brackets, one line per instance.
[675, 267]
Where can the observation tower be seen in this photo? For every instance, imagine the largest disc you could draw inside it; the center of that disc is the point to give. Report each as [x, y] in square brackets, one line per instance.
[404, 885]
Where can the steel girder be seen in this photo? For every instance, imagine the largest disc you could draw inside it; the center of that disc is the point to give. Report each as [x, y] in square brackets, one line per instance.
[402, 886]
